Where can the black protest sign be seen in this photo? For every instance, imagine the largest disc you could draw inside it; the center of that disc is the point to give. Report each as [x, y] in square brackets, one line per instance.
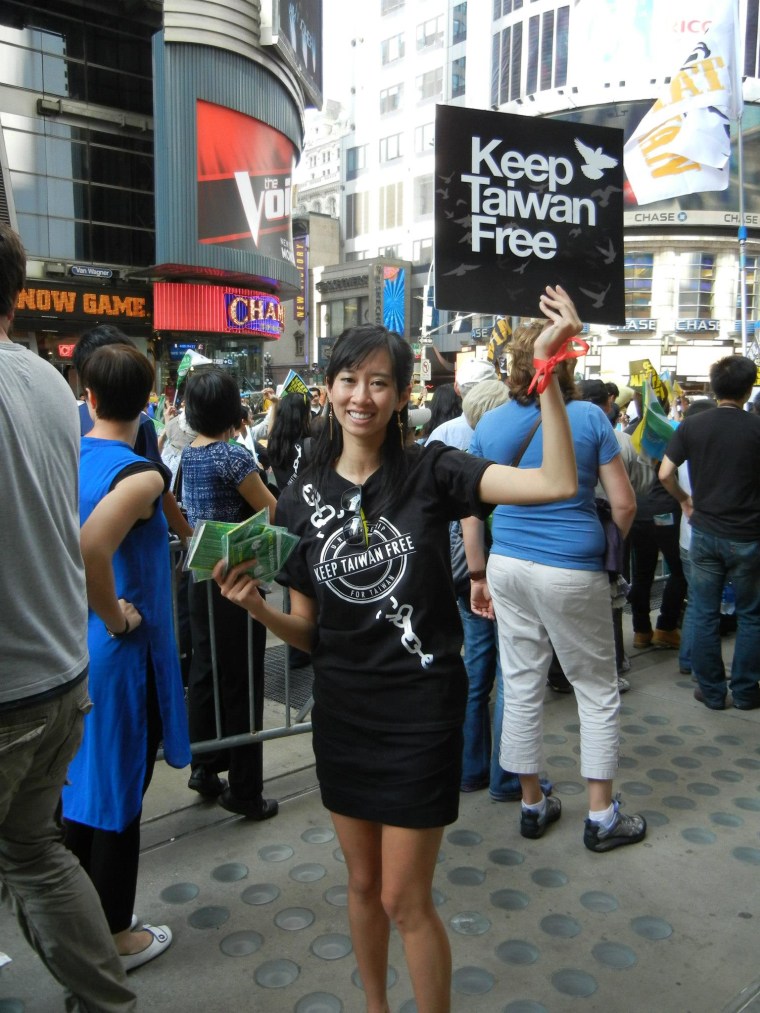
[522, 203]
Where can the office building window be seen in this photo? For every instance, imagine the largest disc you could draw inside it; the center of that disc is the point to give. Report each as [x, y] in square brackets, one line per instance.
[458, 77]
[356, 255]
[422, 252]
[430, 85]
[695, 285]
[390, 99]
[390, 147]
[423, 196]
[750, 289]
[547, 50]
[430, 33]
[504, 7]
[506, 64]
[391, 252]
[390, 206]
[357, 214]
[459, 24]
[392, 49]
[639, 269]
[389, 6]
[356, 161]
[424, 139]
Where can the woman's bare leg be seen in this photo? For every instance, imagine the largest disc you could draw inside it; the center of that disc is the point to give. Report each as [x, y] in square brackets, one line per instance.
[361, 843]
[408, 864]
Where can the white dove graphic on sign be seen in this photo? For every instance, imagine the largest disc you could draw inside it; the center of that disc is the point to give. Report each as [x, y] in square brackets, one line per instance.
[595, 159]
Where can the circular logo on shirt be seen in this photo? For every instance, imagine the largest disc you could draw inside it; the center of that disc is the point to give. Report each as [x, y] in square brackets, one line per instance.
[359, 573]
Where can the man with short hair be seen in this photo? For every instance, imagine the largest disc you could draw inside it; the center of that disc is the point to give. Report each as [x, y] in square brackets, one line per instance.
[722, 449]
[43, 684]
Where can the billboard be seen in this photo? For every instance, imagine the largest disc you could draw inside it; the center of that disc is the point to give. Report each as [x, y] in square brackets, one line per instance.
[295, 28]
[227, 133]
[245, 175]
[713, 209]
[521, 203]
[633, 40]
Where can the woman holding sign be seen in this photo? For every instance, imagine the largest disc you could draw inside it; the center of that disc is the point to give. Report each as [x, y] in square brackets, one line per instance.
[372, 599]
[220, 482]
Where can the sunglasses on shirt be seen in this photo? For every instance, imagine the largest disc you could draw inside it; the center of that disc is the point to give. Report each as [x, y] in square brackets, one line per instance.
[355, 529]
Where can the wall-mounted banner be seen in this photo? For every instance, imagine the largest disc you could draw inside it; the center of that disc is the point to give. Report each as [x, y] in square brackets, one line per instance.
[522, 203]
[245, 171]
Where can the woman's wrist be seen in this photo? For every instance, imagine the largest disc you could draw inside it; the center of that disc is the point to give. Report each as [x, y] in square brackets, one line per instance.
[120, 633]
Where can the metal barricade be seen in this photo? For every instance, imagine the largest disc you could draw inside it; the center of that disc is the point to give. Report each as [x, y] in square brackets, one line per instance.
[293, 725]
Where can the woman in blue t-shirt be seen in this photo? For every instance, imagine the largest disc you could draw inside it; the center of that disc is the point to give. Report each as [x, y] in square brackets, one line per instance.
[547, 585]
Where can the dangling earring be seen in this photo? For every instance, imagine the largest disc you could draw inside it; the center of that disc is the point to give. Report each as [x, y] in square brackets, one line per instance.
[400, 428]
[330, 420]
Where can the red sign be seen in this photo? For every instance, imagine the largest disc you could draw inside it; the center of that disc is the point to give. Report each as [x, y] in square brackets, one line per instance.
[245, 171]
[216, 309]
[66, 349]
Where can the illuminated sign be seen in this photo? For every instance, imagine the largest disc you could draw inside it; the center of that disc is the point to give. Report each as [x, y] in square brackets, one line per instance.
[216, 309]
[301, 250]
[696, 325]
[79, 304]
[260, 313]
[66, 349]
[637, 324]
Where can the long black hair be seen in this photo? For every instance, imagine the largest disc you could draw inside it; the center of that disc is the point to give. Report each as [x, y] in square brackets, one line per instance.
[353, 346]
[291, 425]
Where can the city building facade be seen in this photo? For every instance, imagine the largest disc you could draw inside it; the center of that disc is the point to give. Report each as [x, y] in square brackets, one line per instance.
[602, 63]
[147, 152]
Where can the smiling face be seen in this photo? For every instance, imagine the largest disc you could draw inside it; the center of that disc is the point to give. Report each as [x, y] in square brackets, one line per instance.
[364, 398]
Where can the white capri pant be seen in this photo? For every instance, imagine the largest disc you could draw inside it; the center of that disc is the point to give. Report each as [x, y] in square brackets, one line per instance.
[538, 607]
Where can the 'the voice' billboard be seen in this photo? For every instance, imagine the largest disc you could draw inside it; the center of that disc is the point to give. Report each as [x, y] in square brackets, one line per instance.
[245, 171]
[521, 203]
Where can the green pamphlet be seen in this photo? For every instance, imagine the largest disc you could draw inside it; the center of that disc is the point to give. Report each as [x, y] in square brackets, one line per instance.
[266, 545]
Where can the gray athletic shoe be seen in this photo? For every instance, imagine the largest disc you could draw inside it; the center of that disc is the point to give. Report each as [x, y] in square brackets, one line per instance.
[624, 830]
[532, 825]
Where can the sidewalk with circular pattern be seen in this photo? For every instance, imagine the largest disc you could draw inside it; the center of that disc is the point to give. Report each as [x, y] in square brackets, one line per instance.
[258, 911]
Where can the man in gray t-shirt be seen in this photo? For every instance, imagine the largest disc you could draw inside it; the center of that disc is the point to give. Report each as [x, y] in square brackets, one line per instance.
[43, 674]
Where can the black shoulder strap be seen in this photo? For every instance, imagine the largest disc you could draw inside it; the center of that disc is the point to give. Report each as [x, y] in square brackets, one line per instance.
[525, 443]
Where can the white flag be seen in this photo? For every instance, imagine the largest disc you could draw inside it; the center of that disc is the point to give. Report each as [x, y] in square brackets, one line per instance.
[683, 143]
[189, 360]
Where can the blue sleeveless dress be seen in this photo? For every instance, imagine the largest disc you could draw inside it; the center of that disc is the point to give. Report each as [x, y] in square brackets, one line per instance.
[107, 774]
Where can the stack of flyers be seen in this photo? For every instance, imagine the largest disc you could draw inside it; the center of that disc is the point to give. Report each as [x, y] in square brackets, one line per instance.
[206, 548]
[255, 539]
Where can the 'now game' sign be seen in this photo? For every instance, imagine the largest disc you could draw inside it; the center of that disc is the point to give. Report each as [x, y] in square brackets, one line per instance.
[79, 304]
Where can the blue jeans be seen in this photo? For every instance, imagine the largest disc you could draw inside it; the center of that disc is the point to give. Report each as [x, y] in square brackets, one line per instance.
[480, 760]
[687, 623]
[713, 560]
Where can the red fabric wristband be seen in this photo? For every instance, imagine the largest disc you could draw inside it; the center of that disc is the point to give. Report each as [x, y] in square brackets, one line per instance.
[545, 367]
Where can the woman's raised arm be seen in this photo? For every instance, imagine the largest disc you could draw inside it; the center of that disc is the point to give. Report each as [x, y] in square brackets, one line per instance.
[557, 477]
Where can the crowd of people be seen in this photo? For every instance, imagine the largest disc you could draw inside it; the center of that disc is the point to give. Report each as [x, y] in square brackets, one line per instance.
[496, 499]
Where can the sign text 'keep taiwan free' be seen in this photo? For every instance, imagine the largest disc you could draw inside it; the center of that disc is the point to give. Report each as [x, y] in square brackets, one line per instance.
[522, 203]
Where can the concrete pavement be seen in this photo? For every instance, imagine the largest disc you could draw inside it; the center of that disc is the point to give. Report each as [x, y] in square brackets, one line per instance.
[258, 910]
